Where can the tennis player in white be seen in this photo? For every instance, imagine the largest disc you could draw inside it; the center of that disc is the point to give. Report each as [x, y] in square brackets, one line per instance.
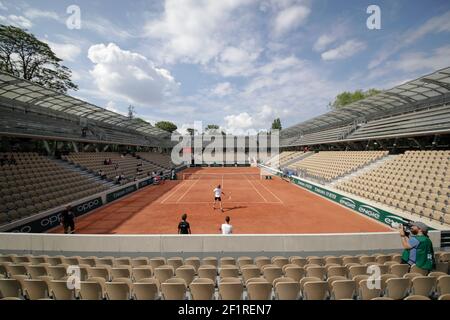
[218, 197]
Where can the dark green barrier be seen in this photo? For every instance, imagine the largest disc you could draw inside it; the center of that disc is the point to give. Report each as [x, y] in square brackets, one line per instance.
[53, 220]
[120, 193]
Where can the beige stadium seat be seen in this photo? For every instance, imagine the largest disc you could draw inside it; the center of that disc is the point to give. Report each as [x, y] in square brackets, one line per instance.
[271, 273]
[423, 286]
[366, 293]
[231, 290]
[316, 271]
[10, 288]
[249, 272]
[16, 269]
[173, 289]
[336, 271]
[117, 291]
[35, 289]
[287, 290]
[343, 289]
[315, 290]
[60, 291]
[141, 272]
[444, 297]
[145, 291]
[280, 261]
[397, 288]
[164, 273]
[157, 262]
[357, 270]
[193, 261]
[399, 269]
[208, 271]
[57, 272]
[90, 290]
[175, 262]
[443, 285]
[301, 262]
[244, 261]
[122, 262]
[36, 271]
[227, 261]
[100, 272]
[121, 272]
[227, 271]
[187, 273]
[202, 289]
[141, 261]
[210, 261]
[259, 290]
[262, 261]
[296, 273]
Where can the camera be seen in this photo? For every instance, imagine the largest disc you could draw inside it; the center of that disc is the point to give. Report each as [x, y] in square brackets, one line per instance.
[406, 227]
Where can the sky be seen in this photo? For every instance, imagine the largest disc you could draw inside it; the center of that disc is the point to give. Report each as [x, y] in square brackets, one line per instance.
[235, 63]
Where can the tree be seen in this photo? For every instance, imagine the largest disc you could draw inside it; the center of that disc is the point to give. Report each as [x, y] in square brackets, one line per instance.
[276, 124]
[166, 125]
[26, 57]
[346, 97]
[212, 127]
[131, 112]
[191, 131]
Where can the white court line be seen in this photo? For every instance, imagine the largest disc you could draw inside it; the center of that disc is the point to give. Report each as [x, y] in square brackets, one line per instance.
[204, 202]
[187, 190]
[173, 191]
[281, 201]
[256, 189]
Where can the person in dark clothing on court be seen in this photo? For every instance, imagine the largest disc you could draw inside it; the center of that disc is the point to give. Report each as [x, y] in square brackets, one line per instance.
[68, 220]
[183, 226]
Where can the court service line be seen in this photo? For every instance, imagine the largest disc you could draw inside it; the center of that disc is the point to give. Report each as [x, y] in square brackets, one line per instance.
[281, 201]
[182, 184]
[256, 189]
[187, 190]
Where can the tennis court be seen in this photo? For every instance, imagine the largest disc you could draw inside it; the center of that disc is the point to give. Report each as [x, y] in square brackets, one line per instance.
[255, 205]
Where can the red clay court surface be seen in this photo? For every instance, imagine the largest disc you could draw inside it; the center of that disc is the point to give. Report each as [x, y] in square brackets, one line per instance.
[255, 206]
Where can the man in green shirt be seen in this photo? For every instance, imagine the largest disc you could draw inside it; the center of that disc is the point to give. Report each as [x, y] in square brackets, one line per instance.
[418, 247]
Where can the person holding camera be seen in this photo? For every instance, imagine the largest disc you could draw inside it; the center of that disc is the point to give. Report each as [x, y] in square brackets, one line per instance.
[418, 246]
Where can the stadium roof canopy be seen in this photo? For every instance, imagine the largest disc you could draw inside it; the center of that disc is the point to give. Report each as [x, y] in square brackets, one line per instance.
[432, 88]
[17, 89]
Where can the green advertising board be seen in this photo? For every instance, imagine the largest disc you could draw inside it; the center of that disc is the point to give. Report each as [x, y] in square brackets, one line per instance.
[368, 210]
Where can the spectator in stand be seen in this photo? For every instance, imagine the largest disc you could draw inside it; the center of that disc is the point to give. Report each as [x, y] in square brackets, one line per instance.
[116, 166]
[120, 178]
[101, 174]
[109, 161]
[173, 176]
[105, 162]
[183, 226]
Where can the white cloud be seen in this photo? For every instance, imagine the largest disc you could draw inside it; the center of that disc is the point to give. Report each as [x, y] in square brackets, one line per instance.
[111, 106]
[18, 21]
[129, 75]
[222, 89]
[241, 121]
[235, 61]
[195, 30]
[436, 24]
[104, 27]
[33, 13]
[290, 18]
[323, 41]
[65, 51]
[346, 50]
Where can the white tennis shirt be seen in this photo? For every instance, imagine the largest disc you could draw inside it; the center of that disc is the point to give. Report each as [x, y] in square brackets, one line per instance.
[227, 228]
[217, 192]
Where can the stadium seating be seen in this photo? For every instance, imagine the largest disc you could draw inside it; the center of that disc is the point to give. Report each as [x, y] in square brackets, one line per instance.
[127, 164]
[413, 122]
[416, 182]
[330, 165]
[36, 184]
[266, 281]
[283, 158]
[158, 159]
[322, 136]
